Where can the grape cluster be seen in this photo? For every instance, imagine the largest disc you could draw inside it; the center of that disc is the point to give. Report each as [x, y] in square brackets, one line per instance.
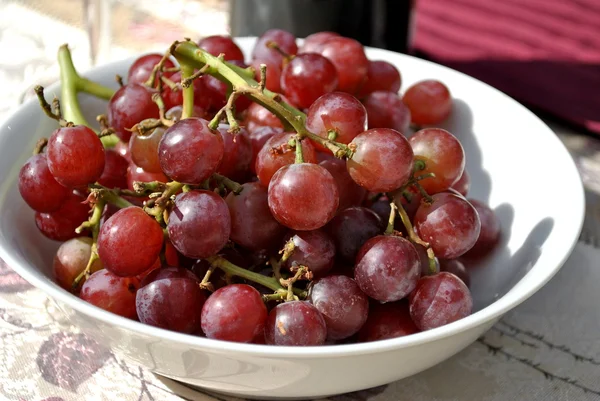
[317, 219]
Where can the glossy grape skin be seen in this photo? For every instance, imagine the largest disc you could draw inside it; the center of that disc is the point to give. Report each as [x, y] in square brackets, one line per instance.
[351, 194]
[439, 300]
[386, 110]
[221, 44]
[258, 138]
[252, 224]
[276, 153]
[38, 187]
[129, 105]
[135, 173]
[312, 43]
[429, 102]
[304, 68]
[190, 152]
[140, 70]
[314, 249]
[273, 74]
[349, 59]
[111, 293]
[122, 148]
[284, 40]
[303, 196]
[71, 259]
[171, 300]
[351, 228]
[339, 112]
[381, 76]
[385, 321]
[383, 160]
[234, 313]
[295, 323]
[457, 268]
[75, 156]
[144, 149]
[258, 116]
[199, 224]
[387, 268]
[129, 242]
[115, 170]
[489, 234]
[343, 305]
[463, 184]
[237, 153]
[443, 155]
[450, 224]
[60, 225]
[175, 113]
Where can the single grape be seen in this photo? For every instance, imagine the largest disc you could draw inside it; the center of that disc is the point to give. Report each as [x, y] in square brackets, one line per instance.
[129, 105]
[389, 320]
[351, 228]
[381, 76]
[387, 268]
[122, 148]
[277, 153]
[115, 170]
[338, 113]
[303, 196]
[343, 305]
[383, 160]
[237, 153]
[314, 249]
[71, 259]
[258, 116]
[175, 113]
[443, 156]
[189, 151]
[60, 225]
[284, 40]
[273, 74]
[129, 242]
[234, 313]
[309, 67]
[439, 300]
[140, 70]
[490, 230]
[75, 156]
[221, 44]
[296, 323]
[199, 224]
[429, 102]
[463, 184]
[258, 138]
[450, 225]
[386, 110]
[38, 187]
[383, 209]
[111, 293]
[135, 173]
[351, 194]
[312, 43]
[252, 224]
[144, 149]
[457, 268]
[349, 59]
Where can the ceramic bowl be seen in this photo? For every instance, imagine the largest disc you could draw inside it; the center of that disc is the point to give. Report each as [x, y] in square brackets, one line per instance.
[516, 164]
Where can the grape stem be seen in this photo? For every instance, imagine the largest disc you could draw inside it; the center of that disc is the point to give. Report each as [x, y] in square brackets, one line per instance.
[94, 224]
[390, 227]
[231, 185]
[188, 91]
[40, 145]
[299, 156]
[289, 283]
[287, 251]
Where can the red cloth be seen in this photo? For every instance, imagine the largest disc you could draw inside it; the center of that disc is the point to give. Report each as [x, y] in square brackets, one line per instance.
[544, 53]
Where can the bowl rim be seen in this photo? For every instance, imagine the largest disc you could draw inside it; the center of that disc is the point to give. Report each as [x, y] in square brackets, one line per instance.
[497, 308]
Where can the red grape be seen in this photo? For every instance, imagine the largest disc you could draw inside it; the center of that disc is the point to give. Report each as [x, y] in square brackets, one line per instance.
[312, 43]
[314, 249]
[343, 305]
[457, 268]
[296, 323]
[386, 110]
[140, 70]
[351, 194]
[189, 151]
[381, 76]
[237, 153]
[337, 112]
[351, 228]
[112, 293]
[383, 160]
[389, 320]
[273, 74]
[276, 153]
[258, 116]
[234, 313]
[175, 113]
[284, 40]
[135, 173]
[303, 196]
[438, 300]
[200, 224]
[258, 138]
[450, 225]
[71, 259]
[463, 184]
[129, 242]
[309, 67]
[387, 268]
[349, 59]
[221, 44]
[115, 170]
[122, 148]
[38, 187]
[60, 225]
[75, 156]
[252, 224]
[128, 106]
[429, 102]
[443, 156]
[144, 149]
[490, 230]
[383, 209]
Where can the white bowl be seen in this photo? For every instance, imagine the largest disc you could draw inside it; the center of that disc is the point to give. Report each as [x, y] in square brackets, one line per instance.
[516, 164]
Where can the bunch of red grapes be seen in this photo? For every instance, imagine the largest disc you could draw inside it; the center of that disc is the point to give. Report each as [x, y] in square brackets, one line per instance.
[320, 229]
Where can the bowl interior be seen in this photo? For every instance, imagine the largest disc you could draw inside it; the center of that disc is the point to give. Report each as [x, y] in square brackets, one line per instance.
[515, 162]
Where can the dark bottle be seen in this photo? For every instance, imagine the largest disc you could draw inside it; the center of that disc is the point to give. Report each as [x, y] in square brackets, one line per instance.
[379, 23]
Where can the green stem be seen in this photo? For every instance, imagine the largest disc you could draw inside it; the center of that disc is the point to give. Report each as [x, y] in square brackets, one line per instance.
[390, 227]
[299, 156]
[188, 92]
[114, 199]
[228, 183]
